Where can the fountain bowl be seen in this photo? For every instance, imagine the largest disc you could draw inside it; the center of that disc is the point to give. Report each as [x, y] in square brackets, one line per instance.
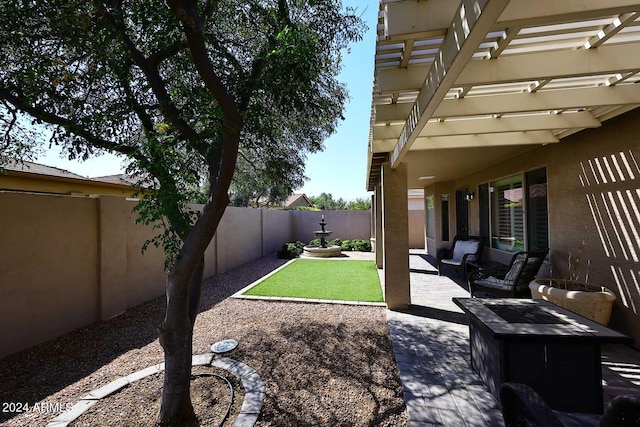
[315, 251]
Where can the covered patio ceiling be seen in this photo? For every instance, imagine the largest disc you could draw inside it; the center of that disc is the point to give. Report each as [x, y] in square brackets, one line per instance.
[460, 85]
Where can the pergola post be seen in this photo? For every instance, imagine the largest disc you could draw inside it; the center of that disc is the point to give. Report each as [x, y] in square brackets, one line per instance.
[395, 233]
[379, 242]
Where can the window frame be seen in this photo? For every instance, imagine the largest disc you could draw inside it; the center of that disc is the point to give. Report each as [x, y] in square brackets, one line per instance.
[486, 219]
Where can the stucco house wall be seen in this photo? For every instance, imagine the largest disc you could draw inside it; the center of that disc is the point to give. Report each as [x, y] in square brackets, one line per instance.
[593, 195]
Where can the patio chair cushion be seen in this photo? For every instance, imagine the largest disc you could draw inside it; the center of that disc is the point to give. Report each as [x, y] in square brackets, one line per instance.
[508, 282]
[463, 247]
[495, 283]
[512, 274]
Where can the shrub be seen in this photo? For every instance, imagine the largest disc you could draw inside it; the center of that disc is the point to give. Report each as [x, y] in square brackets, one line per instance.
[362, 245]
[303, 208]
[314, 242]
[290, 250]
[347, 245]
[335, 242]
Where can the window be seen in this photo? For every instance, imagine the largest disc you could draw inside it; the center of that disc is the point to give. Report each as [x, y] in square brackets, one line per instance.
[513, 212]
[431, 217]
[507, 219]
[537, 210]
[444, 207]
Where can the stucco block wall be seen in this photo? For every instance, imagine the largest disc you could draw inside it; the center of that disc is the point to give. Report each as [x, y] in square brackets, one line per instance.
[238, 238]
[67, 262]
[48, 269]
[345, 225]
[145, 275]
[276, 226]
[416, 229]
[594, 195]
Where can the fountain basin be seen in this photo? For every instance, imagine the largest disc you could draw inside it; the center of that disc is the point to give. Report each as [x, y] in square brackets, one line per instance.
[322, 252]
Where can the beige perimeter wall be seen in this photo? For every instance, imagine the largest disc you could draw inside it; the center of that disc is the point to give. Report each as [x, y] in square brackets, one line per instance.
[345, 225]
[67, 262]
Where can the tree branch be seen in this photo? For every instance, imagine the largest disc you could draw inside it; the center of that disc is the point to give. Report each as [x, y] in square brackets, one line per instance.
[157, 57]
[260, 61]
[221, 159]
[71, 126]
[246, 159]
[150, 70]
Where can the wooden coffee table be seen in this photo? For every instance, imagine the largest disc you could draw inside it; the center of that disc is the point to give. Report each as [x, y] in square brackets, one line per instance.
[537, 343]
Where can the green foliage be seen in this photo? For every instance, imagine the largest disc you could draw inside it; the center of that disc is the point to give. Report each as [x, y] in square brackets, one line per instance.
[326, 202]
[124, 77]
[290, 250]
[335, 242]
[359, 205]
[314, 242]
[303, 208]
[359, 245]
[180, 89]
[258, 183]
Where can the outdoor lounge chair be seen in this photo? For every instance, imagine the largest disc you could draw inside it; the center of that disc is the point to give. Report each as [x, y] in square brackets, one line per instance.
[463, 250]
[515, 282]
[522, 406]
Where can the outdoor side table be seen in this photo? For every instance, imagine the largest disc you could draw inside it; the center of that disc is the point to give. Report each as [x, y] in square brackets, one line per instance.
[537, 343]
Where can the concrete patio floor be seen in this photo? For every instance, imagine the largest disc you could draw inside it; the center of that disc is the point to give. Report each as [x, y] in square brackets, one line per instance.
[431, 346]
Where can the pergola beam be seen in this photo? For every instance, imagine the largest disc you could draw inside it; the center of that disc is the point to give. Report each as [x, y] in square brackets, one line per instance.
[551, 65]
[469, 27]
[520, 68]
[470, 126]
[405, 17]
[519, 103]
[547, 12]
[485, 140]
[540, 101]
[410, 19]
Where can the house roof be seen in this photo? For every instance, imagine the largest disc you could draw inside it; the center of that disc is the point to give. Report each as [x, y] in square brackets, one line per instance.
[36, 177]
[295, 197]
[37, 168]
[123, 179]
[461, 84]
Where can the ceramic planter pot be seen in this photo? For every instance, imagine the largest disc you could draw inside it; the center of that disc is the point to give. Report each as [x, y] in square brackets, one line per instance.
[592, 302]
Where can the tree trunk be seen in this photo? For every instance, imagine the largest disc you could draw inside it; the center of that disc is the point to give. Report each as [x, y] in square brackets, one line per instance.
[195, 291]
[176, 334]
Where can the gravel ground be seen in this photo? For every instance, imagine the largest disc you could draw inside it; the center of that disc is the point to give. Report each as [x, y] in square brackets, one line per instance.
[323, 364]
[138, 404]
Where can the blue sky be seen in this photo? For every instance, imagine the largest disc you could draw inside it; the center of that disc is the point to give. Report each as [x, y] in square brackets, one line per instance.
[341, 168]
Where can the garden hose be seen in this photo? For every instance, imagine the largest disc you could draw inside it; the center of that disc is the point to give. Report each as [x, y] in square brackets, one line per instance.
[230, 392]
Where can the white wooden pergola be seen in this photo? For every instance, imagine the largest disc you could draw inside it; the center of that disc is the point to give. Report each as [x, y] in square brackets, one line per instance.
[494, 77]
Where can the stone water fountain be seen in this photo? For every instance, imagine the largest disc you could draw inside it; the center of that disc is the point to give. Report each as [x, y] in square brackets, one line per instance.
[323, 250]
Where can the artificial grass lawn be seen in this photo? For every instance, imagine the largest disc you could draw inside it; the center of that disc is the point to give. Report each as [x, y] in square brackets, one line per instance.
[323, 279]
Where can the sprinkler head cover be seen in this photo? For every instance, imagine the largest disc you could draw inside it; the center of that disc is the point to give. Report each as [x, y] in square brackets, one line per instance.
[224, 346]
